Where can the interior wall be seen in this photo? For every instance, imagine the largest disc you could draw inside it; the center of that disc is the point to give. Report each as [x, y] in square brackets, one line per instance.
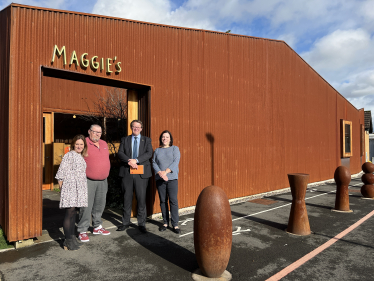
[64, 95]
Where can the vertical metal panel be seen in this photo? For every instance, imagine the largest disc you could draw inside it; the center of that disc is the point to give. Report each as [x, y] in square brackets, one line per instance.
[25, 128]
[4, 116]
[244, 111]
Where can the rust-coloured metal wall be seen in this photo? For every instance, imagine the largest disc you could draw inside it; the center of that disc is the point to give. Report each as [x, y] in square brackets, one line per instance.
[4, 116]
[244, 111]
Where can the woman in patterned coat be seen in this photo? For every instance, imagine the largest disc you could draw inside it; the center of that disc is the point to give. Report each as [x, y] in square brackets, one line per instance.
[71, 176]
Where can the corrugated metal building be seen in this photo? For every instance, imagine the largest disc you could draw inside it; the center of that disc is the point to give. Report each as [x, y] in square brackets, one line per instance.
[244, 111]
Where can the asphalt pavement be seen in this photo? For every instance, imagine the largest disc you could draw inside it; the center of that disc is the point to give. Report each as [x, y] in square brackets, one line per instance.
[341, 246]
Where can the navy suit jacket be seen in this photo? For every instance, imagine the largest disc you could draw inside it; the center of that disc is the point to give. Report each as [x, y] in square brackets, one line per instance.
[145, 154]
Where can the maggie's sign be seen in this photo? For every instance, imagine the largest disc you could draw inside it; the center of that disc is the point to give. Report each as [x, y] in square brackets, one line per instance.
[84, 62]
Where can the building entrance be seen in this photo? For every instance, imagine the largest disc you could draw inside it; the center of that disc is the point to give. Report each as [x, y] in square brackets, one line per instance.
[58, 131]
[71, 103]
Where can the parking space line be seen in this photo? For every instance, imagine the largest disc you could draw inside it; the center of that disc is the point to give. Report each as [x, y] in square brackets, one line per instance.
[318, 250]
[330, 192]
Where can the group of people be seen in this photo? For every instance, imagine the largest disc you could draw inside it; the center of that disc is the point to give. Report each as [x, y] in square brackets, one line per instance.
[83, 173]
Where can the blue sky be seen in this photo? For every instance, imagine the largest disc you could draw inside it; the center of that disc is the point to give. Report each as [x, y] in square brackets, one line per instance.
[336, 37]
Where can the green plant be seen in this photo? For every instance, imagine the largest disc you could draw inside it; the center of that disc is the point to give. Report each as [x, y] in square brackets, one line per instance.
[57, 190]
[4, 244]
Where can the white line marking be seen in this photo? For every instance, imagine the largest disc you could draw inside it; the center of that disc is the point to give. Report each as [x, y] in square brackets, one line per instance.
[268, 210]
[185, 234]
[318, 250]
[262, 212]
[238, 231]
[186, 221]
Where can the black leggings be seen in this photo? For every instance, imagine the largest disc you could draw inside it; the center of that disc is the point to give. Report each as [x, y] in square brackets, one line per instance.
[69, 222]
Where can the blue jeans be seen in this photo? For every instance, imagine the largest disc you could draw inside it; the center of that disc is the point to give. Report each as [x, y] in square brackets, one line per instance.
[168, 191]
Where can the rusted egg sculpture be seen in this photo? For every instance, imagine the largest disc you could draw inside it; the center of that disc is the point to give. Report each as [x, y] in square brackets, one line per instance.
[368, 178]
[212, 231]
[298, 222]
[367, 190]
[342, 178]
[368, 167]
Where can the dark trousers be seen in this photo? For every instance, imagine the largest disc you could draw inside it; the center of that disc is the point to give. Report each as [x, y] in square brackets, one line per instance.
[96, 192]
[168, 191]
[129, 183]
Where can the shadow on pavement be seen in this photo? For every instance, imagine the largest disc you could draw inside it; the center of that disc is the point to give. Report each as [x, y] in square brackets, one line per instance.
[276, 225]
[53, 217]
[306, 202]
[343, 240]
[165, 249]
[112, 217]
[156, 223]
[52, 214]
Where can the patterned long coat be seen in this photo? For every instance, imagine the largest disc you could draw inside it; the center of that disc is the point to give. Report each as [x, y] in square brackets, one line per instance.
[72, 173]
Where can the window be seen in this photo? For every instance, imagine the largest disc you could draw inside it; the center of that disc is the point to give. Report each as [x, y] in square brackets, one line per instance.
[362, 140]
[346, 138]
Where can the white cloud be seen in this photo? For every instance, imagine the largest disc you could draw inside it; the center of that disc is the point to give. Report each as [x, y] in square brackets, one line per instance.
[366, 102]
[345, 58]
[359, 85]
[339, 49]
[156, 11]
[290, 39]
[367, 10]
[144, 10]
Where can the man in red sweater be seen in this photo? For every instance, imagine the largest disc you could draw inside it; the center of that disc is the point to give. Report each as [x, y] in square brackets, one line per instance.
[98, 166]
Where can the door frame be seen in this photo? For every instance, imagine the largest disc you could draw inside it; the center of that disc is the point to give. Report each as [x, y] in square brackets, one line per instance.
[47, 151]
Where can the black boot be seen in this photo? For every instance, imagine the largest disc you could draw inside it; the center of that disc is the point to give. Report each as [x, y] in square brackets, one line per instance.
[76, 241]
[69, 245]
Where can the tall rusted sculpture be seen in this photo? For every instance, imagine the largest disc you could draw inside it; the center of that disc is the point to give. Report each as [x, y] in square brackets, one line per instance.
[298, 222]
[367, 190]
[342, 177]
[213, 232]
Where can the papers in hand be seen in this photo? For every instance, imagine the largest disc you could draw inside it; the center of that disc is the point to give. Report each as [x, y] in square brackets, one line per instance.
[138, 171]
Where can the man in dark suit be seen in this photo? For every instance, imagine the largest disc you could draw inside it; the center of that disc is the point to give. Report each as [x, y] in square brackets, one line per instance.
[135, 150]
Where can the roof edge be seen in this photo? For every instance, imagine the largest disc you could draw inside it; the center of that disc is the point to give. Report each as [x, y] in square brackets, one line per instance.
[322, 77]
[176, 27]
[137, 21]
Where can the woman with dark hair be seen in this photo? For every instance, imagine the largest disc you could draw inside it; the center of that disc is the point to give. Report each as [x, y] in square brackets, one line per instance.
[165, 163]
[71, 176]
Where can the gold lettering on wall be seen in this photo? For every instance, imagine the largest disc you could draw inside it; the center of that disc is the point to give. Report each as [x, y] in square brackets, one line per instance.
[94, 63]
[59, 53]
[74, 59]
[118, 67]
[85, 61]
[108, 64]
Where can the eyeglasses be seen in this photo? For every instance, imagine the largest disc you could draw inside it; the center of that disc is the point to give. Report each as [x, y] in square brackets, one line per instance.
[136, 127]
[97, 133]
